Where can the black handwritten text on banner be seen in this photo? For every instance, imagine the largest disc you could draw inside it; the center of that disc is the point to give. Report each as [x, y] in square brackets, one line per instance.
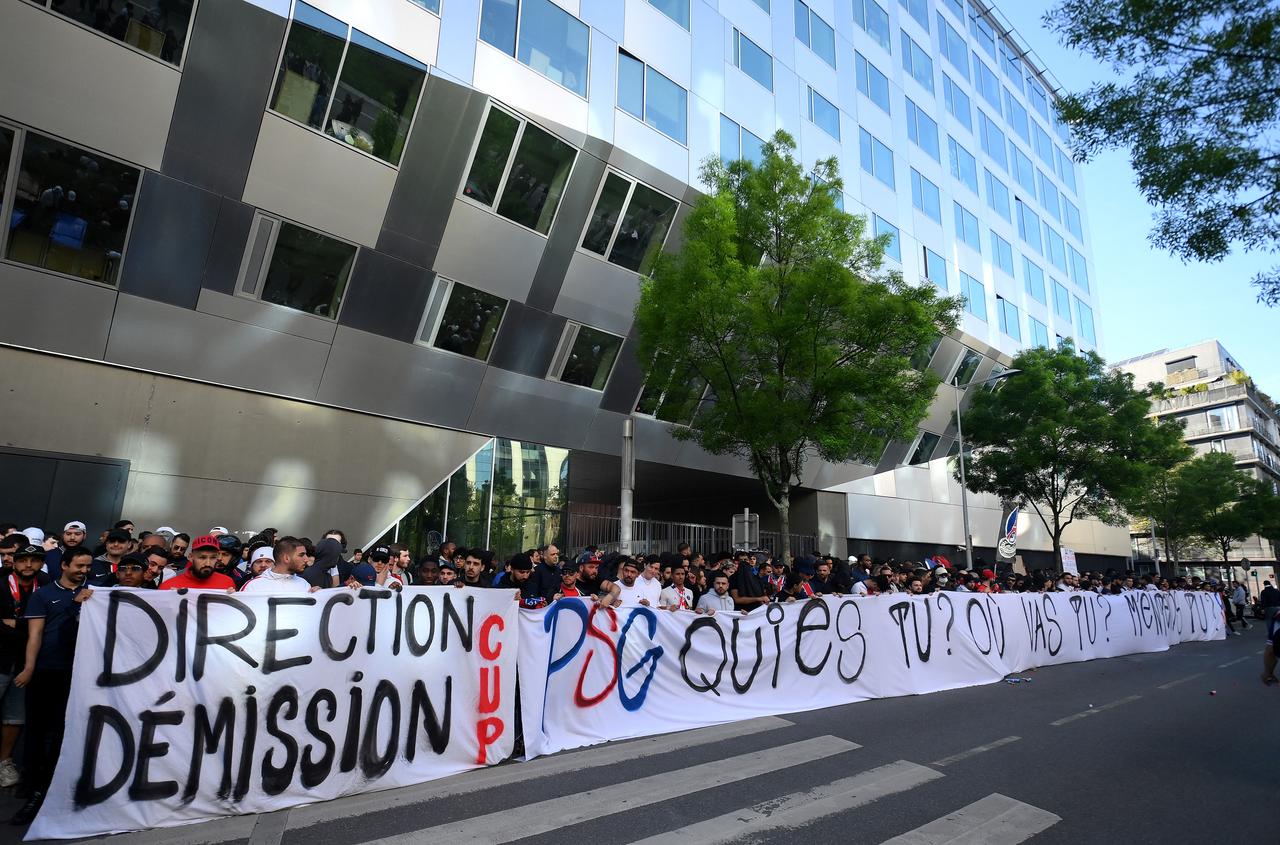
[197, 705]
[591, 674]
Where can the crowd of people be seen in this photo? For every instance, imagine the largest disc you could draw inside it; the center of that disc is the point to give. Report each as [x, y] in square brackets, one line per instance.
[50, 575]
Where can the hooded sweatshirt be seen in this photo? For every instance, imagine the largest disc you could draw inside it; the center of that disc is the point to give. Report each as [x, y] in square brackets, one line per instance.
[324, 568]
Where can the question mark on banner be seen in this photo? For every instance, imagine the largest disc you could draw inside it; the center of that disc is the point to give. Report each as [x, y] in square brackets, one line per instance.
[951, 616]
[1106, 620]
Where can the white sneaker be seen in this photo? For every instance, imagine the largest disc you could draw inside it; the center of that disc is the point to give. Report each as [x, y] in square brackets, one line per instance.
[8, 773]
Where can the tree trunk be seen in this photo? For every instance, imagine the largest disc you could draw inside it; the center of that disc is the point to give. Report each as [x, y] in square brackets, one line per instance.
[1057, 543]
[784, 523]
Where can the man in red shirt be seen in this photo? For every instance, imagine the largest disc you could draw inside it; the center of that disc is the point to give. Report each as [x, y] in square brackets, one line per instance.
[200, 575]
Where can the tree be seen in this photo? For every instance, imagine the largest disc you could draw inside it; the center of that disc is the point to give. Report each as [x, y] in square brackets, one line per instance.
[1234, 502]
[1068, 439]
[1171, 504]
[1196, 107]
[777, 303]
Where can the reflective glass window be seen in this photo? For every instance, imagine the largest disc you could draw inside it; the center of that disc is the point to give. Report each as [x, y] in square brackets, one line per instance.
[998, 196]
[1061, 301]
[1039, 101]
[963, 165]
[677, 10]
[1055, 248]
[308, 271]
[631, 84]
[916, 62]
[1049, 196]
[924, 196]
[605, 216]
[935, 268]
[554, 43]
[815, 33]
[875, 157]
[967, 227]
[1029, 226]
[1079, 269]
[975, 302]
[922, 130]
[1010, 320]
[498, 24]
[470, 322]
[824, 114]
[982, 31]
[1072, 215]
[873, 84]
[1033, 280]
[1066, 170]
[987, 83]
[924, 448]
[376, 97]
[884, 227]
[972, 360]
[1039, 332]
[918, 9]
[1023, 171]
[958, 102]
[71, 208]
[1085, 316]
[666, 105]
[591, 358]
[992, 139]
[1011, 64]
[643, 229]
[536, 180]
[490, 162]
[874, 20]
[953, 46]
[1001, 253]
[1016, 114]
[752, 60]
[158, 27]
[309, 68]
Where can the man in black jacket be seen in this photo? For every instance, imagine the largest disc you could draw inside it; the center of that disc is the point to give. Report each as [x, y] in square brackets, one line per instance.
[20, 581]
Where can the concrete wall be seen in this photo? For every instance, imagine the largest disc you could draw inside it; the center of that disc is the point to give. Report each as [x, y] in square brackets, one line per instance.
[202, 455]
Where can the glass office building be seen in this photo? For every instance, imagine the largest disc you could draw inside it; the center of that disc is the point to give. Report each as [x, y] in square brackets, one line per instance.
[435, 213]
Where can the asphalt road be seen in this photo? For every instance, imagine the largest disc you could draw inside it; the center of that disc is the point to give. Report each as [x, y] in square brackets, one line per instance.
[1131, 749]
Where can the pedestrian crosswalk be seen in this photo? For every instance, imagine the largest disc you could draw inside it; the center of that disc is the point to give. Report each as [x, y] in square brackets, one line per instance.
[628, 788]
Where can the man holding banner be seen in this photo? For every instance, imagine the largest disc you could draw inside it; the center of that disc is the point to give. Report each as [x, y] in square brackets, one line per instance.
[53, 620]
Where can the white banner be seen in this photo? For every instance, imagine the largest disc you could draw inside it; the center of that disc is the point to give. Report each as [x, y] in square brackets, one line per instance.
[589, 675]
[189, 706]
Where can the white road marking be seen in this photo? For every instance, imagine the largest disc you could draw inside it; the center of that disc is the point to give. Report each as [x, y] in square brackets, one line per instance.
[516, 772]
[1172, 684]
[1233, 662]
[616, 799]
[1093, 710]
[800, 808]
[994, 820]
[956, 758]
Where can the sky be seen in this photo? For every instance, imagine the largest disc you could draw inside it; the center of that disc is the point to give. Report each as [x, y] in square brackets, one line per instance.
[1149, 299]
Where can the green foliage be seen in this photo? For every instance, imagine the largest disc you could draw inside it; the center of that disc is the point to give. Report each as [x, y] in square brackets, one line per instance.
[776, 301]
[385, 131]
[1197, 106]
[1067, 438]
[1229, 501]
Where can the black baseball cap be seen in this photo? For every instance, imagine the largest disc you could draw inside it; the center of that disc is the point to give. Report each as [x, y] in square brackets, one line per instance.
[29, 550]
[379, 553]
[135, 559]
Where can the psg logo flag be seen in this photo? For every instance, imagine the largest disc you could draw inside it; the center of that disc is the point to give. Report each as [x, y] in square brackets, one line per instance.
[1007, 544]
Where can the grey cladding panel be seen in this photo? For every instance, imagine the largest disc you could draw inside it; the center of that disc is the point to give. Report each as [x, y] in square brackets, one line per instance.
[230, 235]
[625, 381]
[169, 241]
[226, 82]
[434, 159]
[571, 218]
[527, 340]
[386, 296]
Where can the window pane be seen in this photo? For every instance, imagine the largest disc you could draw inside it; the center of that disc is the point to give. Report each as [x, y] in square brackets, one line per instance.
[922, 130]
[71, 209]
[730, 142]
[1001, 253]
[957, 102]
[963, 165]
[491, 157]
[871, 82]
[1085, 314]
[1079, 271]
[666, 105]
[802, 22]
[824, 114]
[498, 24]
[1029, 226]
[969, 364]
[470, 322]
[429, 5]
[644, 229]
[158, 28]
[1061, 302]
[554, 43]
[919, 9]
[924, 196]
[309, 66]
[998, 196]
[377, 94]
[753, 61]
[872, 17]
[538, 173]
[935, 268]
[967, 227]
[1017, 116]
[752, 147]
[822, 39]
[953, 48]
[975, 302]
[883, 227]
[677, 10]
[308, 271]
[605, 216]
[992, 139]
[631, 85]
[591, 358]
[1039, 332]
[988, 84]
[916, 61]
[924, 449]
[1033, 280]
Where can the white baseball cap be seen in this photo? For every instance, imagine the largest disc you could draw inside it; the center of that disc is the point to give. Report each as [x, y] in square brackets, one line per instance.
[76, 524]
[35, 535]
[164, 529]
[260, 554]
[218, 529]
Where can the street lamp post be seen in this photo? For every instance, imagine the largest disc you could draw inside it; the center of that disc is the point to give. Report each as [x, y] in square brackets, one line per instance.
[964, 492]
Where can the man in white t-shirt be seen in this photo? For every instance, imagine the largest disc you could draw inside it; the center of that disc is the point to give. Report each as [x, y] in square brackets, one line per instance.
[677, 596]
[284, 576]
[634, 588]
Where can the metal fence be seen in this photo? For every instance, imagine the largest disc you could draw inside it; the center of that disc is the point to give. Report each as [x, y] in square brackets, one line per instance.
[650, 536]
